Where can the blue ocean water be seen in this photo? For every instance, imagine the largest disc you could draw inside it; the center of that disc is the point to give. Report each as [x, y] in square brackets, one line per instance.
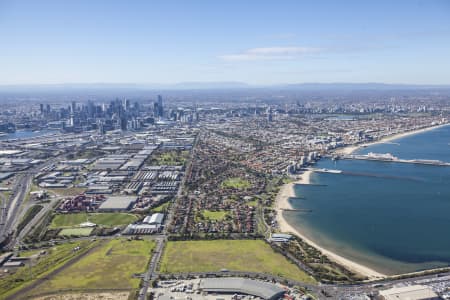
[24, 134]
[392, 217]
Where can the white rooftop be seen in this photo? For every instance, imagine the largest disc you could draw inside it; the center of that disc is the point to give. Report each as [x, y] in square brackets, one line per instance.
[412, 292]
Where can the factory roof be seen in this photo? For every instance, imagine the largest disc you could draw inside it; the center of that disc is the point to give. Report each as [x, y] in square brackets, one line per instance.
[156, 218]
[243, 286]
[118, 203]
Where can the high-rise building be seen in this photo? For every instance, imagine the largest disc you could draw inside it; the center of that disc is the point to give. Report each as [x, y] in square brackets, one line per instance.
[269, 114]
[90, 108]
[160, 106]
[73, 107]
[127, 104]
[155, 109]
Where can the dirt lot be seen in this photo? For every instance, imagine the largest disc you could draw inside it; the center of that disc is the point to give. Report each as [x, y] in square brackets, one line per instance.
[87, 296]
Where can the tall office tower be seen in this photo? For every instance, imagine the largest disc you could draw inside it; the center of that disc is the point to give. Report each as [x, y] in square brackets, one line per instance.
[269, 114]
[155, 109]
[160, 106]
[127, 104]
[41, 106]
[91, 108]
[73, 107]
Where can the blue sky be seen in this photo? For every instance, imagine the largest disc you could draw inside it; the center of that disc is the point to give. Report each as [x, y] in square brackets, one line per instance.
[258, 42]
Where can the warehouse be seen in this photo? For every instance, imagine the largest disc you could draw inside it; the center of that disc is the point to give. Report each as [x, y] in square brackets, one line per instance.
[118, 203]
[142, 229]
[154, 219]
[251, 287]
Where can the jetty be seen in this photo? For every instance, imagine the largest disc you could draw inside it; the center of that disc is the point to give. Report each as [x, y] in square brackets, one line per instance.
[387, 157]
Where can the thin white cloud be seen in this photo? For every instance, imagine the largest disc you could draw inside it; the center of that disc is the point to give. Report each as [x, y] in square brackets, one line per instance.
[271, 53]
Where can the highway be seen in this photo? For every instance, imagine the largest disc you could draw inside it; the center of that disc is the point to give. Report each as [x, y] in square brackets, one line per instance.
[18, 237]
[14, 205]
[18, 194]
[10, 216]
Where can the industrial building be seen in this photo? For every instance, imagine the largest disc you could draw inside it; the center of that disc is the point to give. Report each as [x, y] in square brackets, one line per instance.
[155, 219]
[412, 292]
[150, 225]
[118, 203]
[142, 229]
[234, 285]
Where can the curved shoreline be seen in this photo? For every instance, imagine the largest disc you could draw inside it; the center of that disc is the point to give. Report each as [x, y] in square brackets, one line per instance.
[282, 202]
[287, 191]
[347, 150]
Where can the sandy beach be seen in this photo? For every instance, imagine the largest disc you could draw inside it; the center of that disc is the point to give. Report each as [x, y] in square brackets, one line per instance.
[287, 191]
[282, 202]
[386, 139]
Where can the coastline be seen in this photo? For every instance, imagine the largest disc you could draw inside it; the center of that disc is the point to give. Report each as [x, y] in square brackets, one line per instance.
[347, 150]
[282, 202]
[287, 191]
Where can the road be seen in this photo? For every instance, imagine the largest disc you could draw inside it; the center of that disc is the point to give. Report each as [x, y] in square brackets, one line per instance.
[10, 216]
[325, 291]
[18, 194]
[151, 272]
[16, 239]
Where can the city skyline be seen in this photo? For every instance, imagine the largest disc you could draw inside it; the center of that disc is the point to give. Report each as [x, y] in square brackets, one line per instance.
[47, 42]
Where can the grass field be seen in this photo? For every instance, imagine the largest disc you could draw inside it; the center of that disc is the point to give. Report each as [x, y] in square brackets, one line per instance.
[76, 231]
[109, 266]
[54, 258]
[170, 158]
[161, 208]
[234, 255]
[236, 183]
[102, 219]
[214, 215]
[28, 253]
[252, 203]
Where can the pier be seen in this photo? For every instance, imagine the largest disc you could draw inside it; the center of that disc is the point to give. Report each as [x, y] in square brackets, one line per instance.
[390, 158]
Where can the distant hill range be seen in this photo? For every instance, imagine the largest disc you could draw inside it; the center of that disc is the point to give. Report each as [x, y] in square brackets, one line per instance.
[362, 86]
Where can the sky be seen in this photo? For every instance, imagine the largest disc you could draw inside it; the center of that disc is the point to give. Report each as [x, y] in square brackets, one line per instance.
[255, 41]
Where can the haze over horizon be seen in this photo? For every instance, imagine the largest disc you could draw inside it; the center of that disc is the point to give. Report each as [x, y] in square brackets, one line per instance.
[50, 42]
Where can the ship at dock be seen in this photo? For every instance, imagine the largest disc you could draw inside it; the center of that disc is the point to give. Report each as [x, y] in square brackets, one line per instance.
[332, 171]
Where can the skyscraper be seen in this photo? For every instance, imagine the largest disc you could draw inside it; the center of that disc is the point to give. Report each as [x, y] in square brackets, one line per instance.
[160, 106]
[127, 104]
